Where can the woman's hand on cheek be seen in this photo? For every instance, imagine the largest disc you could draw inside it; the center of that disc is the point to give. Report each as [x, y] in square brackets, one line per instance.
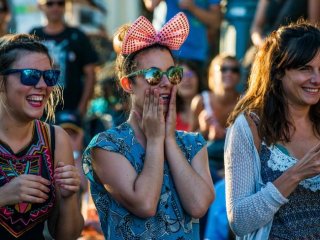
[171, 115]
[67, 178]
[152, 120]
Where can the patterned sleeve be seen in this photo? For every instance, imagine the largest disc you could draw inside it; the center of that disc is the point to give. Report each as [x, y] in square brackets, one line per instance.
[247, 209]
[190, 143]
[101, 140]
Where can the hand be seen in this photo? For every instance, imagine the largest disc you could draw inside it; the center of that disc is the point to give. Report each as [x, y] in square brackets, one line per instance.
[186, 4]
[171, 117]
[25, 188]
[309, 165]
[216, 131]
[152, 120]
[67, 178]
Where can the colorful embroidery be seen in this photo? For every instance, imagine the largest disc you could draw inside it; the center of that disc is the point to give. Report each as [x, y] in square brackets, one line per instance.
[36, 160]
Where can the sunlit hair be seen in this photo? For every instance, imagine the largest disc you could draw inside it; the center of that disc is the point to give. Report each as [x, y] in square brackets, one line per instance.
[218, 62]
[126, 64]
[12, 47]
[290, 47]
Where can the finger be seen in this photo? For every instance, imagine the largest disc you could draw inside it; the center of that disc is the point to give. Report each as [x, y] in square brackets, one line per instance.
[72, 181]
[316, 148]
[146, 103]
[155, 101]
[35, 193]
[71, 188]
[172, 104]
[160, 107]
[66, 174]
[34, 178]
[152, 100]
[64, 168]
[33, 199]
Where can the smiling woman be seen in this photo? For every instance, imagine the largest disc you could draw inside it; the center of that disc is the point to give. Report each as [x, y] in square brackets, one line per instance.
[37, 183]
[272, 153]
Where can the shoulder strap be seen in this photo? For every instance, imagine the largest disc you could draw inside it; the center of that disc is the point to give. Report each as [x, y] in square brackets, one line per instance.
[52, 140]
[206, 102]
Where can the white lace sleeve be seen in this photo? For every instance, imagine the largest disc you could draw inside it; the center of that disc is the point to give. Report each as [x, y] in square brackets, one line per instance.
[248, 206]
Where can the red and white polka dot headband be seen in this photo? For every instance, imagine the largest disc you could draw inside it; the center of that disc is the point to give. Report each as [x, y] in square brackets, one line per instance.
[142, 34]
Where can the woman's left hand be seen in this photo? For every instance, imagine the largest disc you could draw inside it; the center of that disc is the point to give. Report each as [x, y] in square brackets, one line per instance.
[67, 178]
[171, 115]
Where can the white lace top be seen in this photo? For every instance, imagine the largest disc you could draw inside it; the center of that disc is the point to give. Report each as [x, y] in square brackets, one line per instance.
[281, 162]
[250, 205]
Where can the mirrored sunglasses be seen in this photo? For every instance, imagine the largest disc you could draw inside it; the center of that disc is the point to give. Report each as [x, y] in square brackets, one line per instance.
[52, 3]
[154, 75]
[225, 69]
[31, 77]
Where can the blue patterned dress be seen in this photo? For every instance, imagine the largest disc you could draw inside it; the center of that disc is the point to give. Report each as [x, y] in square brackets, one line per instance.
[170, 221]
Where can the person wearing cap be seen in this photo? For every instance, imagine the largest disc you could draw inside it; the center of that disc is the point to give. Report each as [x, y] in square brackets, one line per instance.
[148, 180]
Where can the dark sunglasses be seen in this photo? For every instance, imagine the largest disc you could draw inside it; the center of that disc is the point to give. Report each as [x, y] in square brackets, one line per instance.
[58, 3]
[153, 75]
[231, 69]
[31, 77]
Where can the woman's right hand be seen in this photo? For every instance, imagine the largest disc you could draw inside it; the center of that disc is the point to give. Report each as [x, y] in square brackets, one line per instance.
[309, 165]
[25, 188]
[152, 121]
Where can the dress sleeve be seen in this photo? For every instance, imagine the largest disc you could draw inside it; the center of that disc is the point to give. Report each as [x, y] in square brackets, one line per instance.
[248, 207]
[102, 140]
[190, 143]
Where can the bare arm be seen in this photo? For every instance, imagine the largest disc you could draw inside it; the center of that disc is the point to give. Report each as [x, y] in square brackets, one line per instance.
[139, 193]
[193, 182]
[70, 221]
[258, 22]
[209, 17]
[151, 4]
[196, 108]
[89, 82]
[314, 11]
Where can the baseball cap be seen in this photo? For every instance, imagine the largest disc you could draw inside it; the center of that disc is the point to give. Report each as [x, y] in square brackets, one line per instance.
[69, 120]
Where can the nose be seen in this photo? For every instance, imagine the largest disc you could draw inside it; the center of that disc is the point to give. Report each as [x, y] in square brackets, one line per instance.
[316, 77]
[164, 81]
[41, 83]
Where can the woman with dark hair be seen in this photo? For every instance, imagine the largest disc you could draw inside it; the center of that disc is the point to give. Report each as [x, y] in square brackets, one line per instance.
[272, 153]
[148, 180]
[38, 179]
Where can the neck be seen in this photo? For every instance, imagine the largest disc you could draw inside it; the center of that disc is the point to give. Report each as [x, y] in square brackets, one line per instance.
[54, 27]
[226, 96]
[299, 113]
[14, 132]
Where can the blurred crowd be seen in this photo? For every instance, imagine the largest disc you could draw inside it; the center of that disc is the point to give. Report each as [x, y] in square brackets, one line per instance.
[213, 80]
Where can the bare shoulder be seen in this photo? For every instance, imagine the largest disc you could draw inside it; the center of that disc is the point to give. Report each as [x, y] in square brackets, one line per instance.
[197, 103]
[254, 130]
[63, 149]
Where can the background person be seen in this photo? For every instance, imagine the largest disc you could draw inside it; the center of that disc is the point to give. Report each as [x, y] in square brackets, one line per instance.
[73, 54]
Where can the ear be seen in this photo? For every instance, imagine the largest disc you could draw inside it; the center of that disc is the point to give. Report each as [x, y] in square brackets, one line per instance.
[126, 84]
